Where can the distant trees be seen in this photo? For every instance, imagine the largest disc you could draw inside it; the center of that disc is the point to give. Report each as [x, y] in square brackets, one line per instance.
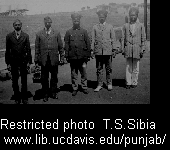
[112, 4]
[104, 7]
[83, 8]
[133, 4]
[88, 7]
[126, 7]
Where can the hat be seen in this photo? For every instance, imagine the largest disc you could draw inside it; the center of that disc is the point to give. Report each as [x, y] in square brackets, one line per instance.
[104, 12]
[134, 9]
[76, 15]
[47, 19]
[17, 20]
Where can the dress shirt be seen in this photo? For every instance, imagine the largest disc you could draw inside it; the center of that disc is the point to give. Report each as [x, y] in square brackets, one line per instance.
[132, 26]
[48, 31]
[18, 33]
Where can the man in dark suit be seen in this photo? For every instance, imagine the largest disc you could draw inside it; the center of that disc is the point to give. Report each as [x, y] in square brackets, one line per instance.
[18, 58]
[48, 46]
[77, 52]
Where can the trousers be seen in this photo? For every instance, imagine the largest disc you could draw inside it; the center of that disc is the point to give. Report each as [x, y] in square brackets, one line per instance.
[78, 65]
[45, 70]
[132, 71]
[16, 71]
[100, 62]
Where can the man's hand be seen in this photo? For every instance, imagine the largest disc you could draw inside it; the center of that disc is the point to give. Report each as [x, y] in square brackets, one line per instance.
[92, 54]
[37, 63]
[141, 55]
[28, 68]
[66, 59]
[9, 67]
[88, 59]
[28, 65]
[122, 51]
[113, 53]
[62, 60]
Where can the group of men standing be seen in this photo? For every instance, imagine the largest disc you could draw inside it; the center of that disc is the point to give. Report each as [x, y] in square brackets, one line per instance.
[77, 50]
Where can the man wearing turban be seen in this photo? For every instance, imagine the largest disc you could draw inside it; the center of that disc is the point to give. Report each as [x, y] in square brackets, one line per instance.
[103, 47]
[48, 46]
[77, 52]
[133, 44]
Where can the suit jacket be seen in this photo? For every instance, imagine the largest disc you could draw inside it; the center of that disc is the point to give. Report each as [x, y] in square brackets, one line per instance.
[103, 40]
[18, 51]
[133, 44]
[77, 44]
[51, 45]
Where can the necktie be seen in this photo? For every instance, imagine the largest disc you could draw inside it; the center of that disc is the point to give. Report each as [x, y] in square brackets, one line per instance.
[48, 32]
[17, 35]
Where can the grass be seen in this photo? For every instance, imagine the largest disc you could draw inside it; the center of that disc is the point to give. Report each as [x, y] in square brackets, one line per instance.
[61, 21]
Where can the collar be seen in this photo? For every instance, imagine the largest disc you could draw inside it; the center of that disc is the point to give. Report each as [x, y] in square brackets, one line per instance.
[19, 32]
[78, 28]
[132, 23]
[137, 21]
[49, 29]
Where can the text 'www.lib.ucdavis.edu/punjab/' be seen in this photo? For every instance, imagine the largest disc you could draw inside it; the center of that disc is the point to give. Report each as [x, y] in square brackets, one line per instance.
[69, 127]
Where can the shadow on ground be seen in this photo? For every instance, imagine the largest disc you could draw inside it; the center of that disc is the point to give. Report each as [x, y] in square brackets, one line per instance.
[29, 95]
[93, 85]
[38, 95]
[119, 82]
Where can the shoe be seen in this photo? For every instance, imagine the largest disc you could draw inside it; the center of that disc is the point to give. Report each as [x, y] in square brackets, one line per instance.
[45, 99]
[128, 86]
[17, 101]
[25, 101]
[110, 87]
[85, 92]
[74, 93]
[98, 88]
[133, 86]
[54, 96]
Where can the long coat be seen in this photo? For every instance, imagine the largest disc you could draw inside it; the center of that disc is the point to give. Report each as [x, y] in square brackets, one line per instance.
[103, 40]
[18, 51]
[133, 44]
[77, 44]
[48, 45]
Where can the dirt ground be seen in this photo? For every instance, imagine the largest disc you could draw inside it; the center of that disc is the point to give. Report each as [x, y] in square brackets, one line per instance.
[119, 95]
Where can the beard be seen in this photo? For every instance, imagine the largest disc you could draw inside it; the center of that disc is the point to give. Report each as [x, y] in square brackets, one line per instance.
[76, 25]
[18, 29]
[102, 21]
[133, 19]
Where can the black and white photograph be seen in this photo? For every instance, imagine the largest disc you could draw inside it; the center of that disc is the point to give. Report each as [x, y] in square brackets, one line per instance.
[74, 52]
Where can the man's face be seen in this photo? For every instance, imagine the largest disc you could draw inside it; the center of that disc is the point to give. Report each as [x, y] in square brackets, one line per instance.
[76, 21]
[48, 24]
[17, 26]
[102, 18]
[133, 17]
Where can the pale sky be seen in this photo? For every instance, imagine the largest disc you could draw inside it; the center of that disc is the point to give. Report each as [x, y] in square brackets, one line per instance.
[49, 6]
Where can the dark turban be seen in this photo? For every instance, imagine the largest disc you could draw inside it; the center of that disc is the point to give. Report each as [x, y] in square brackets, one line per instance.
[47, 19]
[17, 20]
[76, 15]
[134, 9]
[102, 12]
